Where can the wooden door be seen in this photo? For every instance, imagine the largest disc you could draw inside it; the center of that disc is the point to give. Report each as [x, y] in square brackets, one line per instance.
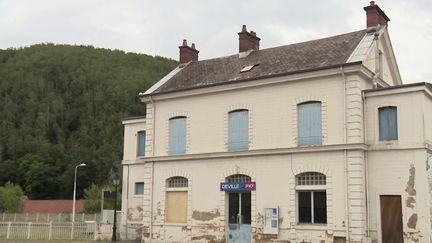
[391, 219]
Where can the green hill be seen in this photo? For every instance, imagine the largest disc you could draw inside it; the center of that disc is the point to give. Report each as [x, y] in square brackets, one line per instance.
[62, 105]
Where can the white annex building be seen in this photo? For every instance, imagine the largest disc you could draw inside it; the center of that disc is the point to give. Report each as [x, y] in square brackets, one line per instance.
[310, 142]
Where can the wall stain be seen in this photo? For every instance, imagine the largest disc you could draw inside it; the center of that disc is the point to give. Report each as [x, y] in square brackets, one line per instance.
[412, 236]
[208, 238]
[205, 216]
[412, 221]
[410, 188]
[410, 201]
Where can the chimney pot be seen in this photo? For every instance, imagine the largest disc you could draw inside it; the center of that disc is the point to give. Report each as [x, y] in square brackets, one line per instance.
[187, 53]
[248, 41]
[375, 16]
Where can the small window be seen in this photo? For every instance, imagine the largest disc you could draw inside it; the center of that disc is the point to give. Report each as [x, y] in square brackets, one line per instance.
[238, 130]
[141, 143]
[176, 200]
[177, 135]
[139, 188]
[309, 124]
[312, 198]
[388, 123]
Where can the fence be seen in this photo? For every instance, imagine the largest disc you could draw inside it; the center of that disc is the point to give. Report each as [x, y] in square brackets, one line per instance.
[54, 231]
[48, 217]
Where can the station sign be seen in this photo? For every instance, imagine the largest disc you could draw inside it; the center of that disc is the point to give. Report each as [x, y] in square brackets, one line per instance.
[244, 186]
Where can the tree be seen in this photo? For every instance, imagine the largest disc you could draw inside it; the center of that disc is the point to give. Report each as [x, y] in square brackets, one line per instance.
[93, 196]
[11, 198]
[62, 105]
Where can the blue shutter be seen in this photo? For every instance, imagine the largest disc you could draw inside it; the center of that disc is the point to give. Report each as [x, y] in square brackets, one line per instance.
[388, 123]
[177, 137]
[141, 143]
[238, 130]
[309, 124]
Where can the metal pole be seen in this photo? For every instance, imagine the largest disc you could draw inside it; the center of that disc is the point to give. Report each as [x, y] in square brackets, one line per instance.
[74, 195]
[74, 192]
[114, 235]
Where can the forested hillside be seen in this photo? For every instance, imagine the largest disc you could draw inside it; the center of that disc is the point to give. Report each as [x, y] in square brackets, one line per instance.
[62, 105]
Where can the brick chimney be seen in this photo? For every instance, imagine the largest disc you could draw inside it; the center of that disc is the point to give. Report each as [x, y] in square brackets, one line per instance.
[187, 53]
[375, 16]
[248, 40]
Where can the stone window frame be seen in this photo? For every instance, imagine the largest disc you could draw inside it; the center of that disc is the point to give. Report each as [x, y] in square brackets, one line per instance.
[161, 207]
[167, 130]
[232, 108]
[293, 217]
[324, 116]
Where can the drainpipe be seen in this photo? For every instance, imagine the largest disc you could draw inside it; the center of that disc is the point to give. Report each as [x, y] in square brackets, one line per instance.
[152, 167]
[366, 168]
[347, 218]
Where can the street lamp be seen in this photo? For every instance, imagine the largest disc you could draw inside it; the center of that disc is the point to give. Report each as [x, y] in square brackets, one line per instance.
[116, 181]
[74, 192]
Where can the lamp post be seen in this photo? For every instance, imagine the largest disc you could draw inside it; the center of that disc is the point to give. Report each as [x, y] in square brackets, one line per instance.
[116, 181]
[74, 192]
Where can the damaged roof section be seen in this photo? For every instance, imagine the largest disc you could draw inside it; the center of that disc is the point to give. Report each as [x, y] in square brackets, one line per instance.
[294, 58]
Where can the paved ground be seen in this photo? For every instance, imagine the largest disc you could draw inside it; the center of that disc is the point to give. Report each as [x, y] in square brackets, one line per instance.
[57, 241]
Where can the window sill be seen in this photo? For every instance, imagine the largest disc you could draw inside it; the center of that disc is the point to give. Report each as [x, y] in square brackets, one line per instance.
[137, 195]
[310, 226]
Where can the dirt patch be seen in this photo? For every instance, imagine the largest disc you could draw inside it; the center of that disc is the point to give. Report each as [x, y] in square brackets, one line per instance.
[410, 188]
[412, 221]
[208, 238]
[205, 216]
[261, 238]
[410, 201]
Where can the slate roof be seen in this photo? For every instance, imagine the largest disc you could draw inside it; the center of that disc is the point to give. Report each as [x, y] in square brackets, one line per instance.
[294, 58]
[52, 206]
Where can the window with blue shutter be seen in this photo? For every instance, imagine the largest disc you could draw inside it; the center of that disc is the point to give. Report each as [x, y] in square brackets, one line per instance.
[388, 123]
[238, 129]
[309, 124]
[141, 143]
[177, 135]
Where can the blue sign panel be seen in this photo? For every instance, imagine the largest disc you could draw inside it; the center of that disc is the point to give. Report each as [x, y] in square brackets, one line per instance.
[245, 186]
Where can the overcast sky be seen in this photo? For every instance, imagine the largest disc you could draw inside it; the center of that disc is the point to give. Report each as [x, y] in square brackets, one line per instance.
[157, 27]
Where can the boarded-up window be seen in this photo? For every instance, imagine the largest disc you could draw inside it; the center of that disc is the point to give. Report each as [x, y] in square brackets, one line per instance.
[176, 200]
[309, 124]
[238, 127]
[176, 207]
[141, 143]
[388, 123]
[177, 135]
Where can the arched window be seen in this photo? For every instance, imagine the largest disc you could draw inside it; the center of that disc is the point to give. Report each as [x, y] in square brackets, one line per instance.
[176, 200]
[238, 130]
[311, 198]
[177, 135]
[177, 181]
[309, 123]
[238, 178]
